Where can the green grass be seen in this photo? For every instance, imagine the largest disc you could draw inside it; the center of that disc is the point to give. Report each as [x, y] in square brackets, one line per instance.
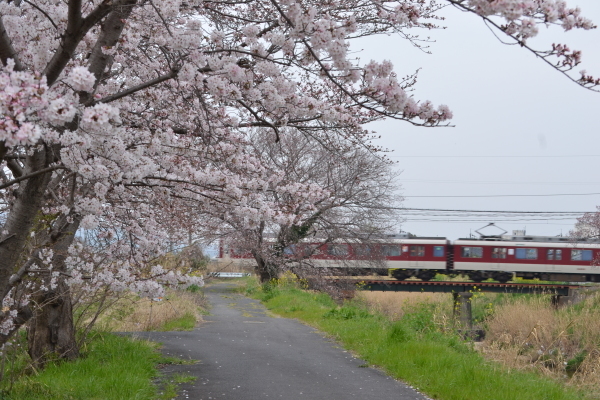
[187, 322]
[412, 349]
[169, 387]
[111, 367]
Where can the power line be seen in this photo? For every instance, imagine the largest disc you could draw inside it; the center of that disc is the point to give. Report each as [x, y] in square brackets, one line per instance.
[480, 156]
[492, 211]
[505, 195]
[470, 221]
[466, 216]
[449, 181]
[475, 211]
[480, 220]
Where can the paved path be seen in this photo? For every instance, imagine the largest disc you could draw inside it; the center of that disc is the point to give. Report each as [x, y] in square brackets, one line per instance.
[244, 354]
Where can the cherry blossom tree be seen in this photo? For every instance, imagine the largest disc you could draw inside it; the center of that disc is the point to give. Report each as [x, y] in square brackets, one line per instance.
[359, 203]
[123, 115]
[587, 226]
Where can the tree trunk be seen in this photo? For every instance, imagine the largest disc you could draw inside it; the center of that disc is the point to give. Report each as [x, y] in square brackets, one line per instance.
[51, 333]
[265, 270]
[27, 204]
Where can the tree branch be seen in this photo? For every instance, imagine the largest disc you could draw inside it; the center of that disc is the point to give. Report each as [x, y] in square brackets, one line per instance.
[541, 54]
[112, 28]
[33, 174]
[137, 88]
[43, 12]
[264, 121]
[15, 168]
[74, 15]
[76, 30]
[7, 50]
[3, 150]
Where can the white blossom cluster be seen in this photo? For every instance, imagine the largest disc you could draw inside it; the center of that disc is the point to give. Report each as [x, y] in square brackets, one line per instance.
[524, 15]
[22, 99]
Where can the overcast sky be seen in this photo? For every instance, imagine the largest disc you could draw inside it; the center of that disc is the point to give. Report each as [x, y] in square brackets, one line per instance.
[521, 128]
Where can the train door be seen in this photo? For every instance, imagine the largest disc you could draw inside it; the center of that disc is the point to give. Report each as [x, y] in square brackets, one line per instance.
[498, 257]
[416, 256]
[552, 256]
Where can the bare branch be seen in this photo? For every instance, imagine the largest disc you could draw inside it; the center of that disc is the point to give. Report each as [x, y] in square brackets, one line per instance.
[264, 121]
[43, 12]
[137, 88]
[32, 175]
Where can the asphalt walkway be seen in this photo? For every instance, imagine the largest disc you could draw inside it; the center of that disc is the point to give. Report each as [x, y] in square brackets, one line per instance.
[245, 354]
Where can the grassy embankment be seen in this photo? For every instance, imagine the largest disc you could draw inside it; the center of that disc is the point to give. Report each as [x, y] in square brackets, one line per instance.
[110, 366]
[417, 345]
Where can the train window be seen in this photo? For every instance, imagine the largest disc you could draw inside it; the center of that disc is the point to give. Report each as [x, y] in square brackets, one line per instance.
[312, 250]
[417, 251]
[472, 252]
[438, 251]
[237, 251]
[390, 250]
[554, 254]
[362, 250]
[499, 252]
[289, 250]
[526, 254]
[338, 250]
[581, 255]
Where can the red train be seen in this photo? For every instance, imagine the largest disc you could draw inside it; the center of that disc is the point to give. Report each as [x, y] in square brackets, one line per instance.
[499, 257]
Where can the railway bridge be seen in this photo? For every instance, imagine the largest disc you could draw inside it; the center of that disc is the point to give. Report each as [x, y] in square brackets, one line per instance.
[463, 291]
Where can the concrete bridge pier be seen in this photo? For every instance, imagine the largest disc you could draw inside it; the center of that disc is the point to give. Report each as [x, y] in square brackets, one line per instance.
[463, 314]
[463, 317]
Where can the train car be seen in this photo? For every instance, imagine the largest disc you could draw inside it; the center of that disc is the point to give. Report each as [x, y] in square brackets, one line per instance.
[546, 258]
[403, 257]
[496, 257]
[418, 257]
[399, 255]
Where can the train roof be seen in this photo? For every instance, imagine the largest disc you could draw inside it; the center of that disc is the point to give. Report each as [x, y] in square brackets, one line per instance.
[413, 240]
[528, 238]
[528, 243]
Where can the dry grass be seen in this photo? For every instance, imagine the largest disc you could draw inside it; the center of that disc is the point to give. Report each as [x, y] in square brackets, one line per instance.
[530, 334]
[588, 374]
[522, 332]
[133, 314]
[396, 304]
